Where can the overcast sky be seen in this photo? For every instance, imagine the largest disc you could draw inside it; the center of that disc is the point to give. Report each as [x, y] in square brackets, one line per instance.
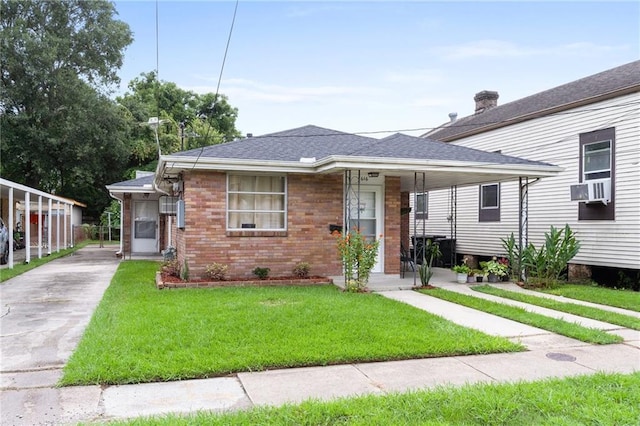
[374, 66]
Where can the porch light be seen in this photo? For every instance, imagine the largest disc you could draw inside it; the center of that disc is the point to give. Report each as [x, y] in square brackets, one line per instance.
[373, 174]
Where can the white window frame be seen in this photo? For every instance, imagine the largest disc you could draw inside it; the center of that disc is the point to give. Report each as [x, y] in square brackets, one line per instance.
[586, 175]
[284, 211]
[497, 206]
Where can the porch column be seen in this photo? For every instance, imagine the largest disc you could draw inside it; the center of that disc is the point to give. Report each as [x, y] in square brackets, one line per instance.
[39, 226]
[49, 228]
[523, 222]
[57, 226]
[64, 239]
[11, 226]
[27, 227]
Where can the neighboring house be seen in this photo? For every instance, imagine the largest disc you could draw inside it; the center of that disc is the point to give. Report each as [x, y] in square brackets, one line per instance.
[273, 200]
[590, 128]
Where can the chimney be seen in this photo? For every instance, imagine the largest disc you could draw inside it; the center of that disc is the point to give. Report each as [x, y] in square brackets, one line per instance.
[485, 100]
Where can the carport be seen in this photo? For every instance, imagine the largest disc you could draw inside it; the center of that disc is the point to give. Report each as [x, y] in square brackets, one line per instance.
[12, 194]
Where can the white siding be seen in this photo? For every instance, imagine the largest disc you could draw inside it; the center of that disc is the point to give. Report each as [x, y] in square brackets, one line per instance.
[555, 140]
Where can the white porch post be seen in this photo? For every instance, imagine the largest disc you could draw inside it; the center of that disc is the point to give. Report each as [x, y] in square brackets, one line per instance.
[49, 227]
[64, 207]
[523, 228]
[27, 227]
[57, 226]
[11, 226]
[39, 226]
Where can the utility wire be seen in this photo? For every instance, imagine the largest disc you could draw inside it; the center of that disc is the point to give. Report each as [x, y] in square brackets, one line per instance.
[215, 97]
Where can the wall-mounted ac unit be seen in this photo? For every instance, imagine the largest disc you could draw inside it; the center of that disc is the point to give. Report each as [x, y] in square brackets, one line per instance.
[167, 205]
[596, 190]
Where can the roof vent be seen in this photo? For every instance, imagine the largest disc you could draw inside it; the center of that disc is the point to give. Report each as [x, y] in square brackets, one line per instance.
[453, 116]
[249, 135]
[485, 100]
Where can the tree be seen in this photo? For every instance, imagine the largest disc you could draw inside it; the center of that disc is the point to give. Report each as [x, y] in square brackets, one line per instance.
[60, 133]
[189, 120]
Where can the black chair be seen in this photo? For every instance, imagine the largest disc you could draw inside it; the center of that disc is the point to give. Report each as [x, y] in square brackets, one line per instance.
[405, 259]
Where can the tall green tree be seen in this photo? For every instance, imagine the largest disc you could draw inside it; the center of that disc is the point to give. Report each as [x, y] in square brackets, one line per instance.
[188, 120]
[60, 132]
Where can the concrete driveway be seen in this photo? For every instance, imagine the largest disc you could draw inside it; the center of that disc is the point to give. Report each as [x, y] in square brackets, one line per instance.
[43, 314]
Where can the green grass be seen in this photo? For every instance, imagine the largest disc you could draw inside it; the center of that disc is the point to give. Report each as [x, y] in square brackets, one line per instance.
[571, 308]
[625, 299]
[600, 399]
[21, 268]
[141, 334]
[576, 331]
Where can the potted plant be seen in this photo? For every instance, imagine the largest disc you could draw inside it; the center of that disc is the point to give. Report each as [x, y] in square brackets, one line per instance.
[495, 269]
[479, 273]
[471, 276]
[461, 272]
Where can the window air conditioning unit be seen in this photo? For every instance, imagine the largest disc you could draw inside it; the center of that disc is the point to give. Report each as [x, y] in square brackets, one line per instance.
[596, 190]
[167, 205]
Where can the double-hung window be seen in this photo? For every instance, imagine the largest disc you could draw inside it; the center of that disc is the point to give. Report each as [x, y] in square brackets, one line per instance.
[596, 160]
[256, 202]
[489, 209]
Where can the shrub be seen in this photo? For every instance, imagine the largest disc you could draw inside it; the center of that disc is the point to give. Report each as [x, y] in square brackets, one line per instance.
[171, 267]
[261, 273]
[358, 257]
[184, 272]
[217, 271]
[301, 270]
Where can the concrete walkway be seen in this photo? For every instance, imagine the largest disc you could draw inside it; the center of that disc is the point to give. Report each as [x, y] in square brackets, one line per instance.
[45, 310]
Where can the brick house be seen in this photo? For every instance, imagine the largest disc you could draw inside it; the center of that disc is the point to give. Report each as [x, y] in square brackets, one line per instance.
[274, 200]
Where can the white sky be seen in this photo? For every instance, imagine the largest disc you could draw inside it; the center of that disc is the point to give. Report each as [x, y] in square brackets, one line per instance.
[374, 66]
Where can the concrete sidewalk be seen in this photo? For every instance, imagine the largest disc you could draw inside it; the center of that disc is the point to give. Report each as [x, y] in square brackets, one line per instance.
[38, 337]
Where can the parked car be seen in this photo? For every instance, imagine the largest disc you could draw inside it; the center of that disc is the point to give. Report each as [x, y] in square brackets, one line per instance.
[4, 243]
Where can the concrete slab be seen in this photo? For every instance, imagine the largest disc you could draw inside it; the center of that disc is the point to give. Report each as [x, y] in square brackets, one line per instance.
[548, 341]
[628, 334]
[151, 399]
[462, 315]
[49, 406]
[400, 376]
[299, 384]
[47, 309]
[526, 366]
[619, 358]
[30, 379]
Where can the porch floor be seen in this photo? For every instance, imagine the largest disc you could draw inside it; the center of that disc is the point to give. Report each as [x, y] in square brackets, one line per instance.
[386, 282]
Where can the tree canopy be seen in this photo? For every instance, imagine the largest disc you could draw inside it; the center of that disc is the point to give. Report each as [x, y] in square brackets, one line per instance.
[60, 130]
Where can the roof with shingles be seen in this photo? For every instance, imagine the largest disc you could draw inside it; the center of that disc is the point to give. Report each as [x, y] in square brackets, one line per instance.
[136, 183]
[317, 142]
[607, 82]
[289, 145]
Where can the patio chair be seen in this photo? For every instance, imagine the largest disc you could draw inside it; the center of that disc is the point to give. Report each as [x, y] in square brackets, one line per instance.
[405, 259]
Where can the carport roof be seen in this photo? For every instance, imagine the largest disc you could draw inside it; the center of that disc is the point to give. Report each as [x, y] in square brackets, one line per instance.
[312, 149]
[19, 191]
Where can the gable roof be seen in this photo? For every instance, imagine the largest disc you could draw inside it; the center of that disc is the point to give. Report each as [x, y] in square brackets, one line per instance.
[316, 150]
[289, 145]
[141, 184]
[605, 85]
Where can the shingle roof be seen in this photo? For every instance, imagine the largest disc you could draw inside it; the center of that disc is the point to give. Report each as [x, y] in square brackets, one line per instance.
[404, 146]
[317, 142]
[613, 80]
[136, 183]
[289, 145]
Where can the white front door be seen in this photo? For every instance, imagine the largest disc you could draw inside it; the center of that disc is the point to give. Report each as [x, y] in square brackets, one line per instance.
[371, 216]
[144, 227]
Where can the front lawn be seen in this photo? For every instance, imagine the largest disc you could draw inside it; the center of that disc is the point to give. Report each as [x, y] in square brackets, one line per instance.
[141, 334]
[558, 326]
[625, 299]
[601, 399]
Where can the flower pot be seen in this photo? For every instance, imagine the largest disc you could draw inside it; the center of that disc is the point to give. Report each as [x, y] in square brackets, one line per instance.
[461, 278]
[479, 278]
[493, 278]
[471, 279]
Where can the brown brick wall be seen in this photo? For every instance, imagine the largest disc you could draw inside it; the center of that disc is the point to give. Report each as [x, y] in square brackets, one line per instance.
[313, 201]
[392, 225]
